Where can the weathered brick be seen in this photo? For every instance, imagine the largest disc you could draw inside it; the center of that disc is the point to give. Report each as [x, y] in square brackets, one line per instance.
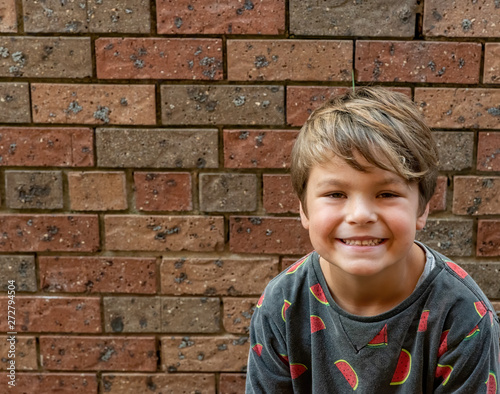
[278, 194]
[34, 189]
[301, 101]
[157, 148]
[286, 262]
[258, 148]
[39, 233]
[76, 16]
[209, 277]
[391, 18]
[25, 353]
[116, 383]
[299, 60]
[55, 147]
[189, 315]
[491, 63]
[164, 233]
[438, 200]
[20, 269]
[131, 314]
[418, 61]
[159, 58]
[14, 102]
[45, 57]
[55, 314]
[459, 107]
[222, 104]
[456, 150]
[268, 235]
[223, 17]
[97, 274]
[488, 238]
[233, 383]
[461, 19]
[486, 276]
[85, 353]
[488, 151]
[451, 237]
[237, 314]
[49, 383]
[204, 354]
[474, 195]
[93, 104]
[228, 192]
[97, 191]
[163, 191]
[8, 16]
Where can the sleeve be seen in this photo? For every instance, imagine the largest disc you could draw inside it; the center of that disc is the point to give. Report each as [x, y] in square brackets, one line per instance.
[472, 365]
[268, 369]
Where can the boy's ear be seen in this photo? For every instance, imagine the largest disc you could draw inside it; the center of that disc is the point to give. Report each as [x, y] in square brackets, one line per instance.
[303, 217]
[422, 219]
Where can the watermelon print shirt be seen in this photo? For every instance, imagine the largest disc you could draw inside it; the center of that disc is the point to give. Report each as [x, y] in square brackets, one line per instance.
[442, 339]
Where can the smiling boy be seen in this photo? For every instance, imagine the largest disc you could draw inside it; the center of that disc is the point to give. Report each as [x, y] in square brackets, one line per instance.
[370, 310]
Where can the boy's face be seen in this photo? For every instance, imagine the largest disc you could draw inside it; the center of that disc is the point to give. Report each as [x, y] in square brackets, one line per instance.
[361, 222]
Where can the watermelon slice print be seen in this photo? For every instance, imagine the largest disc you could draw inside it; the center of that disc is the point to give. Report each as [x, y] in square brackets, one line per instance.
[285, 306]
[284, 358]
[317, 324]
[443, 347]
[480, 308]
[319, 294]
[297, 369]
[297, 265]
[349, 374]
[261, 300]
[380, 339]
[257, 348]
[490, 313]
[491, 384]
[457, 269]
[403, 369]
[473, 333]
[422, 325]
[444, 371]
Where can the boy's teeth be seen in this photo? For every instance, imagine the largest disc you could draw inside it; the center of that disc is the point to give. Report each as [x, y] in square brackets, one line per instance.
[367, 242]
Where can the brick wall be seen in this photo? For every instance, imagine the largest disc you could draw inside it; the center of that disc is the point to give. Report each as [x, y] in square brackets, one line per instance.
[144, 148]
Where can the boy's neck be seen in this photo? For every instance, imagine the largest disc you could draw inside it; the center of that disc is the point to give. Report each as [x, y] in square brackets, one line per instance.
[370, 296]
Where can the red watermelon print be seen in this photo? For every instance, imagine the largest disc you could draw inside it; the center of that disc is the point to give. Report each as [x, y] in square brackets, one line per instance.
[403, 369]
[317, 324]
[443, 347]
[480, 308]
[473, 333]
[380, 339]
[444, 371]
[297, 265]
[297, 369]
[257, 348]
[457, 269]
[490, 313]
[285, 306]
[284, 358]
[491, 384]
[261, 300]
[349, 373]
[422, 325]
[319, 294]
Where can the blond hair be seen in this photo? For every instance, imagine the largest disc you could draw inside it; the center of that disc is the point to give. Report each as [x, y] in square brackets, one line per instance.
[382, 126]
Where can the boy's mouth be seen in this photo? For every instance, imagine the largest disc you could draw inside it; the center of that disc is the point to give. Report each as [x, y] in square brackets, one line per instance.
[364, 242]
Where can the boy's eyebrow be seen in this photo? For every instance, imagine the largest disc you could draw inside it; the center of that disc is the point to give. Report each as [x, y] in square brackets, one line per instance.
[384, 182]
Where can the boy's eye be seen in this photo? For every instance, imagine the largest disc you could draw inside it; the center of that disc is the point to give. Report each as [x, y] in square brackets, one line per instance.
[336, 195]
[387, 195]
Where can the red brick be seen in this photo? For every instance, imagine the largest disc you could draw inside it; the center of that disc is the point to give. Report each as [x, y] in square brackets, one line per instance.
[222, 17]
[459, 107]
[39, 233]
[45, 57]
[93, 104]
[237, 314]
[117, 383]
[278, 194]
[488, 238]
[49, 383]
[97, 191]
[418, 61]
[488, 151]
[204, 354]
[438, 200]
[474, 195]
[301, 101]
[159, 58]
[8, 17]
[163, 191]
[258, 148]
[40, 314]
[54, 147]
[97, 274]
[491, 63]
[26, 357]
[268, 235]
[164, 233]
[14, 102]
[233, 383]
[298, 60]
[287, 262]
[209, 277]
[461, 19]
[82, 353]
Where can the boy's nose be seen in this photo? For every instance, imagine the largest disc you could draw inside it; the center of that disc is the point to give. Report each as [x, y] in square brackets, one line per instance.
[360, 211]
